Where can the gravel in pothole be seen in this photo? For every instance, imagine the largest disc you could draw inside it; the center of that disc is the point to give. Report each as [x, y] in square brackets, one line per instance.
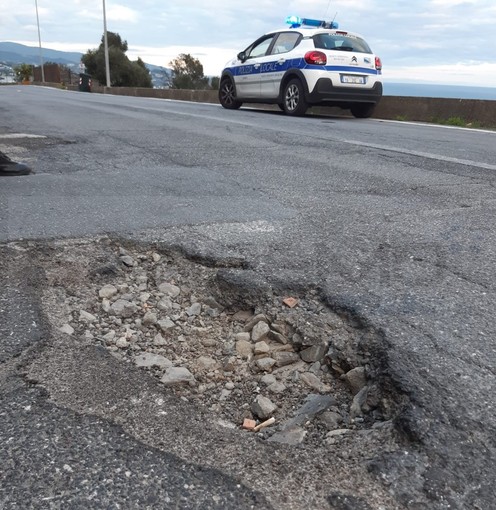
[166, 315]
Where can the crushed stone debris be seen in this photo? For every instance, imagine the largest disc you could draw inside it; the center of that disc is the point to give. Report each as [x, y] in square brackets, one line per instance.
[166, 314]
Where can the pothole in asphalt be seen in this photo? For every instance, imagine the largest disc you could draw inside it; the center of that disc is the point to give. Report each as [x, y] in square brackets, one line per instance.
[247, 356]
[23, 147]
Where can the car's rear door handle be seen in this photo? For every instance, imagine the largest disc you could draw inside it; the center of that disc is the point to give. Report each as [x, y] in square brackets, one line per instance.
[256, 66]
[281, 61]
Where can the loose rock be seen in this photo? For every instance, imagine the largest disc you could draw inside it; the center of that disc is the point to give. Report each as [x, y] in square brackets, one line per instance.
[122, 343]
[109, 336]
[314, 353]
[314, 382]
[265, 363]
[159, 340]
[127, 260]
[254, 321]
[356, 379]
[334, 436]
[263, 407]
[259, 331]
[276, 388]
[244, 349]
[165, 324]
[177, 375]
[170, 290]
[86, 316]
[206, 363]
[148, 360]
[123, 308]
[313, 406]
[285, 358]
[331, 419]
[149, 318]
[194, 309]
[107, 291]
[67, 329]
[293, 436]
[261, 348]
[243, 336]
[268, 379]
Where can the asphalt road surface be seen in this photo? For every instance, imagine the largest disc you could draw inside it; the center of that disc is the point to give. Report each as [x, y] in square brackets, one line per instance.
[393, 222]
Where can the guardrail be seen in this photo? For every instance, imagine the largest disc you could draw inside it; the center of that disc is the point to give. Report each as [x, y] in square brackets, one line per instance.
[459, 112]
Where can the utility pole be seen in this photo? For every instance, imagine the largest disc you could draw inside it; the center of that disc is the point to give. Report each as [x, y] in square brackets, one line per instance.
[105, 46]
[39, 41]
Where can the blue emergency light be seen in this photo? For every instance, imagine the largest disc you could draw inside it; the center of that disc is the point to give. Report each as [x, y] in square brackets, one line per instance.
[295, 22]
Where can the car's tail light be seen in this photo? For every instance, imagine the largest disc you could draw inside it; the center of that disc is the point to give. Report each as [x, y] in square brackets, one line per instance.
[316, 58]
[378, 63]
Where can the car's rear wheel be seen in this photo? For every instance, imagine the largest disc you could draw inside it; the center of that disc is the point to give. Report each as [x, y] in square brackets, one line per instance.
[362, 110]
[227, 95]
[294, 98]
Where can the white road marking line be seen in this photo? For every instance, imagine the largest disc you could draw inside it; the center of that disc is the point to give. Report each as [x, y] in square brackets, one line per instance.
[12, 136]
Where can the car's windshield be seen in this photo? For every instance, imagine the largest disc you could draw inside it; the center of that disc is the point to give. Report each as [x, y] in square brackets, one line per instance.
[341, 42]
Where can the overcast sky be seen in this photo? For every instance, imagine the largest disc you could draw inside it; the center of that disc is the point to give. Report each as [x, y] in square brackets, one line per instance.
[429, 41]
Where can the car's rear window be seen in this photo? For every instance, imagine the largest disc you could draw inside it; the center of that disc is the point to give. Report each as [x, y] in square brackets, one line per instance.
[341, 42]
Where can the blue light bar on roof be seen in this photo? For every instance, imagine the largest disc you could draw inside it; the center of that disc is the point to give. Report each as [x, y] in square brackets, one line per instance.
[295, 22]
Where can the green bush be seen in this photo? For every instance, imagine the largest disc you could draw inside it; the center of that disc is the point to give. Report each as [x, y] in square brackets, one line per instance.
[455, 121]
[23, 72]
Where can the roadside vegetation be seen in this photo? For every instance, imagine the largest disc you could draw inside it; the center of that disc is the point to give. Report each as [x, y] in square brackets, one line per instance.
[23, 72]
[188, 74]
[187, 71]
[450, 121]
[123, 72]
[457, 121]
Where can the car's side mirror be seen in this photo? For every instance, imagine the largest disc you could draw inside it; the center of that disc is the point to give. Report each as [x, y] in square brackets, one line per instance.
[242, 56]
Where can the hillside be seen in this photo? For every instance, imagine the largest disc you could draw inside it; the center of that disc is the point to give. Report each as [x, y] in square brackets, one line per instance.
[12, 54]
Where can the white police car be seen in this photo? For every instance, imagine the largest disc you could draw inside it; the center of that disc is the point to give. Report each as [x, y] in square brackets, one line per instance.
[310, 63]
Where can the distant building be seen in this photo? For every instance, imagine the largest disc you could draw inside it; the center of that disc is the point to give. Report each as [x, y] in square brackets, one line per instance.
[7, 74]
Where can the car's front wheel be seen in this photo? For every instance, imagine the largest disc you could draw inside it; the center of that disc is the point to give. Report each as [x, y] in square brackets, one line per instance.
[362, 110]
[227, 95]
[294, 101]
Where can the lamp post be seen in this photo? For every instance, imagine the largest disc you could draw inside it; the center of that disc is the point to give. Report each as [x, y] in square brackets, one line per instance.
[39, 41]
[105, 46]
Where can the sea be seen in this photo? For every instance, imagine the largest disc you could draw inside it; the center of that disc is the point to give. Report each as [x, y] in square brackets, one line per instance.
[444, 91]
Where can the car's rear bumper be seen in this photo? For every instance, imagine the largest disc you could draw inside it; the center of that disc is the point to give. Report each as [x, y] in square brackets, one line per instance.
[326, 93]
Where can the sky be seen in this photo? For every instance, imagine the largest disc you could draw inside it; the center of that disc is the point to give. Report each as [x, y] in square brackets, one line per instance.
[449, 42]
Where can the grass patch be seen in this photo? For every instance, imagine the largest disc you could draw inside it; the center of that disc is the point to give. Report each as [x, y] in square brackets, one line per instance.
[457, 122]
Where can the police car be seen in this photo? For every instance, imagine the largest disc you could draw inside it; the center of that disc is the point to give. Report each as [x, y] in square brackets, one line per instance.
[309, 63]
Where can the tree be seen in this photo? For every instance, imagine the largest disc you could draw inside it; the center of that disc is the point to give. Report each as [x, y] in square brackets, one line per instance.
[214, 82]
[23, 72]
[123, 72]
[188, 73]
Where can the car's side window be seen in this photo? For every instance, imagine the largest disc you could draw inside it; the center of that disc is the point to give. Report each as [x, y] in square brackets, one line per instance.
[285, 42]
[259, 49]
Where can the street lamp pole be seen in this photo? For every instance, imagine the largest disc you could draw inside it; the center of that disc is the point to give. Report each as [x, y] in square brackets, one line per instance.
[105, 46]
[39, 41]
